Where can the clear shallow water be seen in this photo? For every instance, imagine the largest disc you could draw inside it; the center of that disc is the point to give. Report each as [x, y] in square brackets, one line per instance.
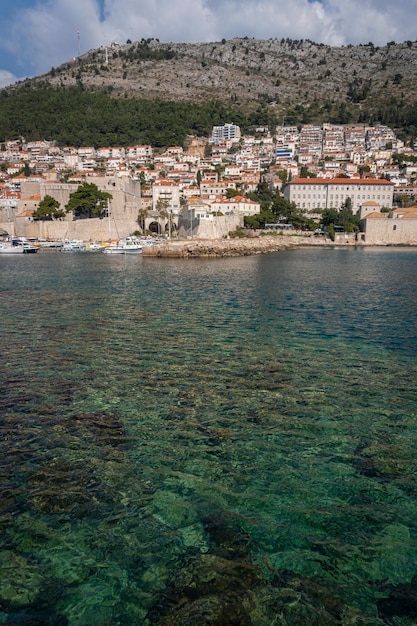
[209, 442]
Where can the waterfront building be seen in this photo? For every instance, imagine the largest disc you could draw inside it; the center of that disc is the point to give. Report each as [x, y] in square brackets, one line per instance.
[399, 227]
[316, 193]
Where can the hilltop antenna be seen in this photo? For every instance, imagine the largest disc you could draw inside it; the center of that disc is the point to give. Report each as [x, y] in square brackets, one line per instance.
[78, 42]
[107, 57]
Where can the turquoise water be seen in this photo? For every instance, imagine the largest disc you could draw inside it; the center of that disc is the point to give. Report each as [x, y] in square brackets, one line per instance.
[223, 442]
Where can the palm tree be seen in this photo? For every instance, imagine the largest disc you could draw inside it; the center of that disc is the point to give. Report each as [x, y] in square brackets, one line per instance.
[162, 208]
[142, 215]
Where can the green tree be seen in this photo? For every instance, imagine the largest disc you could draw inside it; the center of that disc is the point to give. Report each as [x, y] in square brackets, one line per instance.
[274, 209]
[343, 218]
[329, 216]
[305, 173]
[283, 175]
[48, 209]
[88, 201]
[263, 194]
[347, 204]
[362, 169]
[259, 220]
[26, 171]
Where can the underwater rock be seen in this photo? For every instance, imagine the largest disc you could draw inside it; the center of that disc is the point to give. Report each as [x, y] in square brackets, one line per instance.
[20, 582]
[223, 610]
[401, 602]
[208, 590]
[214, 588]
[105, 427]
[366, 464]
[173, 510]
[63, 486]
[295, 600]
[383, 460]
[59, 620]
[227, 538]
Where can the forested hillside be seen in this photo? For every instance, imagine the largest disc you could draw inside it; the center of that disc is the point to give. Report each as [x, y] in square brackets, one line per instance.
[76, 117]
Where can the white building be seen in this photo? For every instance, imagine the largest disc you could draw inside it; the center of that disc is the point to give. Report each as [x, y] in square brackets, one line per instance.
[317, 193]
[166, 193]
[220, 134]
[237, 205]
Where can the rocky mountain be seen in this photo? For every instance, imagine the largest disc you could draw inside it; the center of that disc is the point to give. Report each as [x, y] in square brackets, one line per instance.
[153, 92]
[281, 72]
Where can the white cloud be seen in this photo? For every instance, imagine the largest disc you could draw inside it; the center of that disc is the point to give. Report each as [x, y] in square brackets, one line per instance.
[53, 24]
[168, 21]
[379, 21]
[7, 78]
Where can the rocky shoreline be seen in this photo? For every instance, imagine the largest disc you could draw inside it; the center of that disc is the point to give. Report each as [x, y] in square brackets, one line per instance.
[219, 248]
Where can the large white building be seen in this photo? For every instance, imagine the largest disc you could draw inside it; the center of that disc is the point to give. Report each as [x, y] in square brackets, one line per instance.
[310, 194]
[220, 134]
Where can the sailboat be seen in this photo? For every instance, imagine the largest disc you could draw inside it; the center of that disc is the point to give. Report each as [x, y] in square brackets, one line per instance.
[127, 245]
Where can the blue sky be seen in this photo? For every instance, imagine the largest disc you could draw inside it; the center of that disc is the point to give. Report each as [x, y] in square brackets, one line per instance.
[36, 35]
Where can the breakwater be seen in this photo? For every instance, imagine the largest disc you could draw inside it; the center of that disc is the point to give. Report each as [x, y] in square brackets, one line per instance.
[228, 247]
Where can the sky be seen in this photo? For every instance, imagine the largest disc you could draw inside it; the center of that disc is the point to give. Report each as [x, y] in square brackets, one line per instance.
[36, 35]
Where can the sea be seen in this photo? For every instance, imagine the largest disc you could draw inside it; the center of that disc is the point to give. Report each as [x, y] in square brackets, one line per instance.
[191, 442]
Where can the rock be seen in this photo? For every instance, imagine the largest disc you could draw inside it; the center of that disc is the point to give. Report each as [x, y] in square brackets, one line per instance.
[218, 248]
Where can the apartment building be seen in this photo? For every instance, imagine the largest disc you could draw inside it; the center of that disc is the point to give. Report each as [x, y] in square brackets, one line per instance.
[140, 151]
[220, 134]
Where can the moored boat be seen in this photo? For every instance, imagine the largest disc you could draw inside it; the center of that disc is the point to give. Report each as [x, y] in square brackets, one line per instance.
[75, 245]
[17, 246]
[128, 245]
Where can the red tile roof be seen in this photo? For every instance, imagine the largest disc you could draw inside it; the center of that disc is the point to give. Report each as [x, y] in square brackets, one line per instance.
[341, 181]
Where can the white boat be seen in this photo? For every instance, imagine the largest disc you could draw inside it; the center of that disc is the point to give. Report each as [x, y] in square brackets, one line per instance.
[128, 245]
[76, 245]
[94, 246]
[7, 248]
[17, 246]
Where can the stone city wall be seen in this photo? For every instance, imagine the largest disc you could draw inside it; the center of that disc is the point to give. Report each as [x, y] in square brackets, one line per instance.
[124, 208]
